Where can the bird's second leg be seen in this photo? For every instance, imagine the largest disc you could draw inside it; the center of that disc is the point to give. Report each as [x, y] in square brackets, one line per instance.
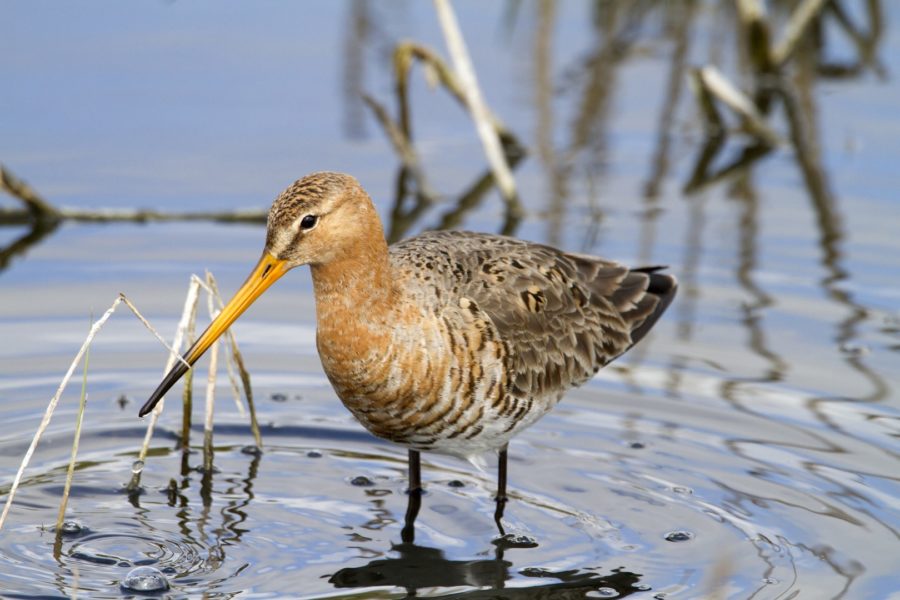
[408, 535]
[501, 487]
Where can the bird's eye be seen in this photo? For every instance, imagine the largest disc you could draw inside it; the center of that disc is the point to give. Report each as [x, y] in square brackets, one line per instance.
[308, 222]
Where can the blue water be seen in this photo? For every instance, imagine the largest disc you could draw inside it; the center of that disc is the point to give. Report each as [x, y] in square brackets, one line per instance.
[759, 420]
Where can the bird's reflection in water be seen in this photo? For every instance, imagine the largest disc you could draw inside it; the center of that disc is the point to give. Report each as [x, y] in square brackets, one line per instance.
[420, 567]
[416, 567]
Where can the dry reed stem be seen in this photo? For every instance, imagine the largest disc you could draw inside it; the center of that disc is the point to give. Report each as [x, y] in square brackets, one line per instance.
[229, 359]
[210, 393]
[189, 301]
[713, 82]
[800, 20]
[459, 55]
[79, 420]
[244, 374]
[248, 391]
[37, 207]
[404, 148]
[51, 407]
[187, 393]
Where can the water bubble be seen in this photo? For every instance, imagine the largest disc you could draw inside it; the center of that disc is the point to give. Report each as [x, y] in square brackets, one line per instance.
[456, 483]
[679, 536]
[252, 450]
[604, 592]
[278, 397]
[444, 509]
[145, 579]
[660, 596]
[314, 454]
[638, 445]
[770, 581]
[361, 481]
[851, 349]
[72, 528]
[137, 466]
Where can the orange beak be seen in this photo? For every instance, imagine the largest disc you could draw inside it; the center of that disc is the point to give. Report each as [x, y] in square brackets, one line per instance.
[267, 271]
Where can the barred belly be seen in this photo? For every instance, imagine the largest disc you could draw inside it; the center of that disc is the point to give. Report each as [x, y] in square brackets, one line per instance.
[441, 386]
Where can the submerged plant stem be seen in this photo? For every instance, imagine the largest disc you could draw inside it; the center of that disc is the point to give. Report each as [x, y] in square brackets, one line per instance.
[186, 314]
[244, 375]
[210, 390]
[79, 420]
[51, 407]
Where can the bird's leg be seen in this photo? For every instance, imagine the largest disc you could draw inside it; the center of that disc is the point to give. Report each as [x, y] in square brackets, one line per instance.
[501, 488]
[408, 535]
[415, 472]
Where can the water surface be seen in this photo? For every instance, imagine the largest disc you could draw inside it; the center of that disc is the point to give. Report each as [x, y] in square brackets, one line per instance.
[746, 449]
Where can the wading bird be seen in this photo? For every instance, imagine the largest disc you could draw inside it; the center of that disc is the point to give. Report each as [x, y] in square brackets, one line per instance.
[450, 341]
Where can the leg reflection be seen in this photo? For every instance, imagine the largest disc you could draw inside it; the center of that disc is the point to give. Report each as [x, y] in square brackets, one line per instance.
[501, 489]
[408, 535]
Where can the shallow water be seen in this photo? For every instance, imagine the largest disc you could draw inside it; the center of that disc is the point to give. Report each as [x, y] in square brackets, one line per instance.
[746, 449]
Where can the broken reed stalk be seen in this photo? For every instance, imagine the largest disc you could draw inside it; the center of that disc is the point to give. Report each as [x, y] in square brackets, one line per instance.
[713, 83]
[51, 407]
[799, 22]
[244, 374]
[210, 393]
[18, 217]
[229, 359]
[186, 323]
[404, 148]
[38, 208]
[758, 35]
[79, 420]
[187, 395]
[459, 55]
[191, 298]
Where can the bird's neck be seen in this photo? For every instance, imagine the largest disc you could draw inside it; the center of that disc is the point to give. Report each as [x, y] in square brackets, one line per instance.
[355, 297]
[354, 293]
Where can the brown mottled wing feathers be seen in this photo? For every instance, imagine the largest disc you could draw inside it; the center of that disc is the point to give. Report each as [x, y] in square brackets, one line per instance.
[561, 316]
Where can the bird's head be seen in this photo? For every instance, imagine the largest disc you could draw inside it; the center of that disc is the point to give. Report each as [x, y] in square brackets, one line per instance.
[321, 218]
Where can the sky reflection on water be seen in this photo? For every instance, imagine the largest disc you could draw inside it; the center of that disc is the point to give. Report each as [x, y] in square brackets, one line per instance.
[761, 416]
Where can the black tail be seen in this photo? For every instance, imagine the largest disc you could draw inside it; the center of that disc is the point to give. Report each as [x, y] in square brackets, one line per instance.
[663, 287]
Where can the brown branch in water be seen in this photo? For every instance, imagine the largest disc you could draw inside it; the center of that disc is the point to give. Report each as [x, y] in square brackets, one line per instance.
[403, 146]
[472, 197]
[399, 133]
[22, 217]
[802, 17]
[37, 208]
[716, 86]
